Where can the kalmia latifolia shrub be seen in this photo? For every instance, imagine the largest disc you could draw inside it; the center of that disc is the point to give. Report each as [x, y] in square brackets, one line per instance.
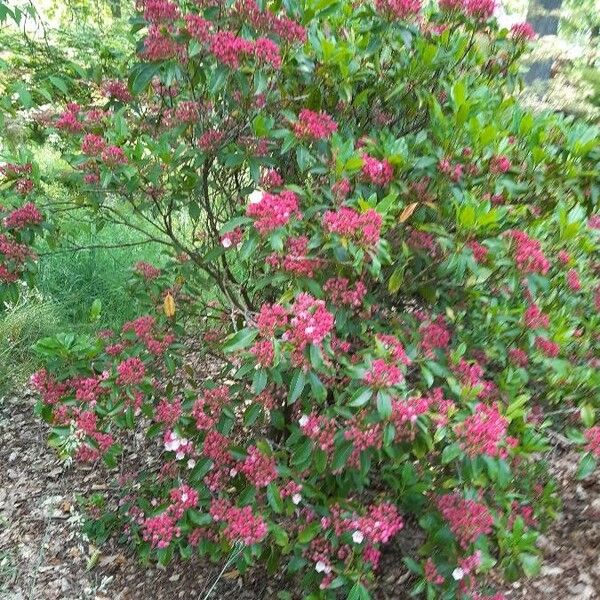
[20, 221]
[393, 267]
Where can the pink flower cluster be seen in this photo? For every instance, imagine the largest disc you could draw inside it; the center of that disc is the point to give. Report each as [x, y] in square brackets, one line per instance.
[131, 371]
[363, 228]
[400, 9]
[264, 352]
[573, 280]
[434, 334]
[147, 271]
[468, 519]
[381, 523]
[49, 389]
[314, 125]
[528, 253]
[241, 524]
[522, 32]
[160, 530]
[182, 498]
[160, 11]
[408, 411]
[535, 318]
[480, 9]
[116, 90]
[272, 211]
[207, 408]
[499, 164]
[286, 28]
[169, 412]
[592, 436]
[483, 431]
[378, 172]
[518, 357]
[383, 374]
[259, 470]
[320, 429]
[159, 46]
[26, 215]
[480, 252]
[296, 260]
[547, 347]
[341, 293]
[92, 144]
[270, 318]
[311, 322]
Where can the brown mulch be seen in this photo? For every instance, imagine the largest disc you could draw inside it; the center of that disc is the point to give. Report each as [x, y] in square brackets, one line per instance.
[43, 555]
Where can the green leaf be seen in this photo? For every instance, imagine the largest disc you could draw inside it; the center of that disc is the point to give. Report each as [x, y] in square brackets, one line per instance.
[309, 532]
[450, 453]
[360, 397]
[587, 465]
[142, 76]
[384, 405]
[296, 386]
[530, 563]
[274, 498]
[252, 413]
[242, 339]
[359, 592]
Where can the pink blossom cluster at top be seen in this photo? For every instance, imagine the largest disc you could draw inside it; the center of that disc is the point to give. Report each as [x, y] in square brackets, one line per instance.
[131, 371]
[228, 48]
[592, 436]
[483, 432]
[270, 318]
[28, 214]
[113, 156]
[210, 139]
[393, 345]
[522, 32]
[160, 11]
[381, 523]
[468, 519]
[409, 410]
[434, 334]
[363, 228]
[116, 89]
[169, 412]
[182, 498]
[159, 46]
[314, 125]
[378, 172]
[272, 211]
[480, 9]
[341, 293]
[241, 524]
[143, 328]
[260, 470]
[528, 253]
[363, 436]
[400, 9]
[383, 374]
[499, 164]
[69, 120]
[198, 28]
[535, 318]
[286, 28]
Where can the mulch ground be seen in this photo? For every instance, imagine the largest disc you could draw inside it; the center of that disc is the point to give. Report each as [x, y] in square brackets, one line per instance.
[43, 555]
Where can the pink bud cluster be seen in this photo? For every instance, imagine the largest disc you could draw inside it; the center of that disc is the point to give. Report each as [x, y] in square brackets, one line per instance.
[483, 432]
[381, 523]
[131, 371]
[320, 429]
[314, 125]
[378, 172]
[522, 32]
[169, 412]
[116, 90]
[341, 293]
[296, 259]
[573, 280]
[480, 252]
[182, 498]
[147, 271]
[260, 470]
[480, 9]
[241, 524]
[92, 144]
[207, 407]
[160, 530]
[592, 436]
[363, 228]
[399, 9]
[382, 374]
[50, 390]
[311, 322]
[535, 318]
[434, 334]
[24, 216]
[547, 347]
[468, 519]
[528, 253]
[499, 164]
[272, 211]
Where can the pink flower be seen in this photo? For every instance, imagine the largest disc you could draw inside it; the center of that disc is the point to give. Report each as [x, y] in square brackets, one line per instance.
[383, 374]
[243, 526]
[311, 322]
[270, 318]
[480, 9]
[381, 523]
[264, 353]
[573, 280]
[528, 253]
[535, 318]
[378, 172]
[341, 293]
[210, 140]
[431, 573]
[147, 271]
[169, 412]
[480, 252]
[547, 347]
[259, 470]
[113, 156]
[198, 28]
[182, 498]
[131, 371]
[400, 9]
[229, 49]
[341, 189]
[499, 164]
[117, 90]
[93, 145]
[26, 215]
[313, 125]
[159, 46]
[592, 436]
[158, 11]
[267, 51]
[320, 429]
[160, 530]
[363, 228]
[483, 432]
[518, 357]
[273, 211]
[522, 32]
[467, 519]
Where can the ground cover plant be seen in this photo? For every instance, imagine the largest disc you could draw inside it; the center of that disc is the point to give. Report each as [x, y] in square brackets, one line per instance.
[394, 263]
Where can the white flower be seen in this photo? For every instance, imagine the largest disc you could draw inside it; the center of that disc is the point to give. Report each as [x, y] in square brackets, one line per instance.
[180, 454]
[309, 330]
[184, 496]
[226, 242]
[256, 197]
[358, 537]
[303, 420]
[320, 567]
[191, 463]
[296, 498]
[458, 574]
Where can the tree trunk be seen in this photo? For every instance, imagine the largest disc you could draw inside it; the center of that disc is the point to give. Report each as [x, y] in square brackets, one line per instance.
[543, 15]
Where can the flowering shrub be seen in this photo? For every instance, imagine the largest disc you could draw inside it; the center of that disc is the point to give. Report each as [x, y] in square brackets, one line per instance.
[20, 221]
[404, 284]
